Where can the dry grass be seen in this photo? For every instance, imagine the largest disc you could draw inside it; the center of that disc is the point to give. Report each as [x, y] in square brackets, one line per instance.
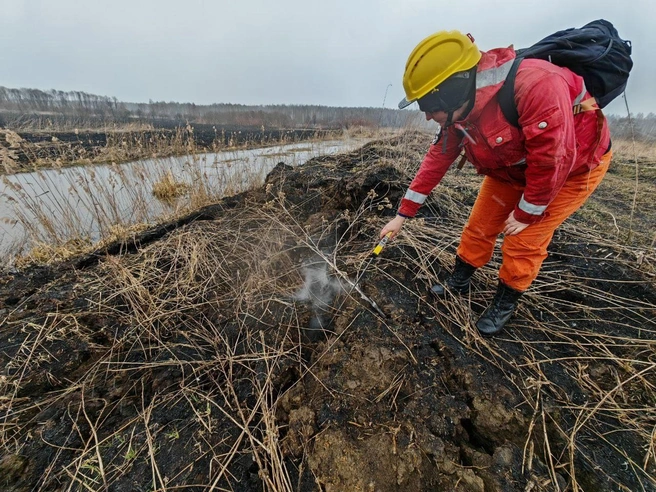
[644, 152]
[176, 294]
[168, 188]
[43, 254]
[204, 323]
[614, 369]
[178, 307]
[47, 254]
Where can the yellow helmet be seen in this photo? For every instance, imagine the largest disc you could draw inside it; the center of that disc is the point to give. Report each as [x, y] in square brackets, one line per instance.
[434, 60]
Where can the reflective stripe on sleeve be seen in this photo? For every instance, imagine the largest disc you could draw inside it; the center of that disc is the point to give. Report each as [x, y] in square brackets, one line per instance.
[529, 208]
[415, 197]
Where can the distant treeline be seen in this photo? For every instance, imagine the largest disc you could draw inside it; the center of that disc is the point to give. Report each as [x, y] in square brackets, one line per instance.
[37, 108]
[34, 108]
[639, 126]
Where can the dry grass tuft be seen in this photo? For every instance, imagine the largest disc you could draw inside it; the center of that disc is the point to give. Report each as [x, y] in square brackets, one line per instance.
[168, 188]
[45, 254]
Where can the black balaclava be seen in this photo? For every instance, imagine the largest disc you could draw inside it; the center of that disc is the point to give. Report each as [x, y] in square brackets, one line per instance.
[450, 95]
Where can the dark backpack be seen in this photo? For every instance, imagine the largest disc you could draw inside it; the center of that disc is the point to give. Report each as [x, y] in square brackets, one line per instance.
[595, 52]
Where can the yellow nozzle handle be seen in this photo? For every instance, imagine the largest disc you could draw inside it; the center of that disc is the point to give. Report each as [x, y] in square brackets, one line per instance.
[382, 243]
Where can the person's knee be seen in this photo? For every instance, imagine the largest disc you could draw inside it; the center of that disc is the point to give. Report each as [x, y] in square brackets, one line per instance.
[521, 262]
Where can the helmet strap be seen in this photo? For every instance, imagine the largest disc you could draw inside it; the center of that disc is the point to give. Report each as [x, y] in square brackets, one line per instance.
[449, 122]
[470, 106]
[471, 99]
[449, 118]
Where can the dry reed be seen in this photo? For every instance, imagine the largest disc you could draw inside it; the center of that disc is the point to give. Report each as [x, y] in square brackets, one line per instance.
[204, 325]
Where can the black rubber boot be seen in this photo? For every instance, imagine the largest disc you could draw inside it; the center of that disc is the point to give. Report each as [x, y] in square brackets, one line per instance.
[499, 312]
[458, 282]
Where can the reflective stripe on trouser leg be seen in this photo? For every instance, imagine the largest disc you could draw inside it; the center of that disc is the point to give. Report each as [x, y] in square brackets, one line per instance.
[494, 203]
[524, 253]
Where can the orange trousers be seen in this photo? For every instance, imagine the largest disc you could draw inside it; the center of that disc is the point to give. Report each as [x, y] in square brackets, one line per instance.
[523, 253]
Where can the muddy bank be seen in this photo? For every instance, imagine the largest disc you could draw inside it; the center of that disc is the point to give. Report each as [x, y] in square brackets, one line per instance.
[227, 352]
[23, 151]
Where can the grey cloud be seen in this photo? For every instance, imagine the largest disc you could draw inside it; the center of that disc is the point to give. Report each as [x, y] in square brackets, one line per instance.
[339, 53]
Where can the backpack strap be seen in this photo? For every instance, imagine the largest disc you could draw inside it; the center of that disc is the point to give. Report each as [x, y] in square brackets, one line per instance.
[461, 162]
[506, 98]
[589, 104]
[506, 95]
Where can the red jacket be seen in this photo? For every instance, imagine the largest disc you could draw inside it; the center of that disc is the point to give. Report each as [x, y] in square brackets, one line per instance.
[552, 144]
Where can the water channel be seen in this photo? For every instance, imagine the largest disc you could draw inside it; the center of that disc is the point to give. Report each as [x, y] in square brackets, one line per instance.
[53, 206]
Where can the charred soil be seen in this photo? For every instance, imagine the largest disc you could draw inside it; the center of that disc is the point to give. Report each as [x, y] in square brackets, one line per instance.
[229, 351]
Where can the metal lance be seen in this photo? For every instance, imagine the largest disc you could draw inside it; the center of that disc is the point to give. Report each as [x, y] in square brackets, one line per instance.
[374, 254]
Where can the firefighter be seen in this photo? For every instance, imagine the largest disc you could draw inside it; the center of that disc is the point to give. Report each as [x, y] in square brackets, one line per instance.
[536, 174]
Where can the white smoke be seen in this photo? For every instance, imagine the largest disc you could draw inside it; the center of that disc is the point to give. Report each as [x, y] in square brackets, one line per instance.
[319, 289]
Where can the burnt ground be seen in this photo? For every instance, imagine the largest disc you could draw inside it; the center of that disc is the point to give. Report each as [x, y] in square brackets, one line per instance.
[227, 351]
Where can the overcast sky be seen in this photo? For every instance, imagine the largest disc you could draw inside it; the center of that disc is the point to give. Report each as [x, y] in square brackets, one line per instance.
[331, 52]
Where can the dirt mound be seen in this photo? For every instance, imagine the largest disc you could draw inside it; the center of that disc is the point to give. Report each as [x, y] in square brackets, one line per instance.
[229, 351]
